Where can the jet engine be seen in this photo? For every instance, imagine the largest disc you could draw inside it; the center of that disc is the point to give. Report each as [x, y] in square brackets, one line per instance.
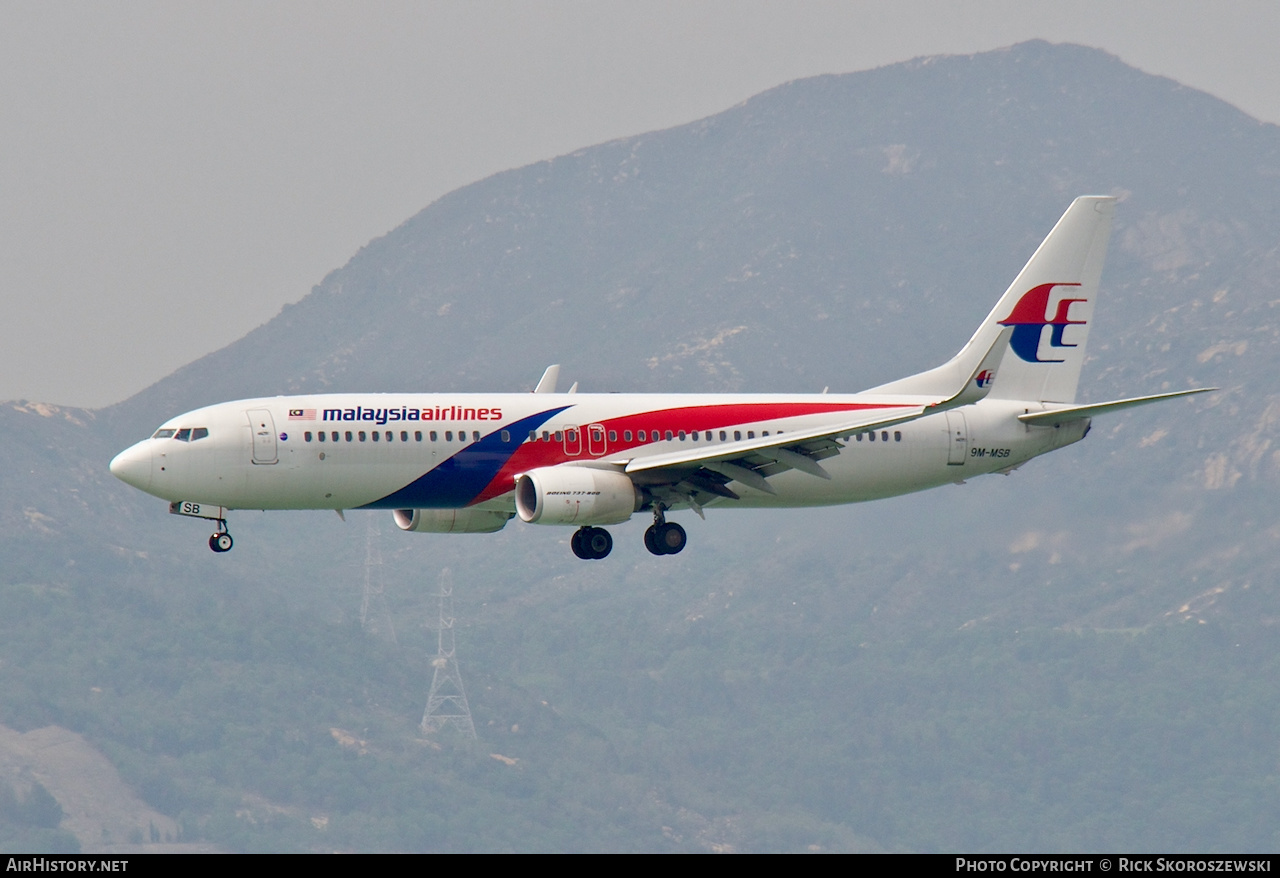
[451, 521]
[576, 495]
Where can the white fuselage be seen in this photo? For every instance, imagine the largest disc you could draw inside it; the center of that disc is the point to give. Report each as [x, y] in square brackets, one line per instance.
[457, 451]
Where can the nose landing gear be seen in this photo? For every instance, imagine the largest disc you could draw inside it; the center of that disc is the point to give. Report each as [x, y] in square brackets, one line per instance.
[221, 540]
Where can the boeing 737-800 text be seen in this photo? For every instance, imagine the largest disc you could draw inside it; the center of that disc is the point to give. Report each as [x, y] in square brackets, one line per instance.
[468, 463]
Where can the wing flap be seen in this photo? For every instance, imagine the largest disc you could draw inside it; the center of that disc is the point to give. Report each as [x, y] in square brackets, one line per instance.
[764, 445]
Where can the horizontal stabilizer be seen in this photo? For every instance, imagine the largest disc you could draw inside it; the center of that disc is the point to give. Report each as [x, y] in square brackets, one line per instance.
[1075, 412]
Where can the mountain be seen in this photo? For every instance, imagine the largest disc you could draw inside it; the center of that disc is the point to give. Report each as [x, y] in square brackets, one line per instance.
[965, 669]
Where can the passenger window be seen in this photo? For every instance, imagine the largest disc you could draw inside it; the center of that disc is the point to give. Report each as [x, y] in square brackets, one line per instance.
[859, 437]
[884, 435]
[404, 435]
[751, 434]
[475, 435]
[417, 435]
[546, 437]
[765, 433]
[348, 435]
[334, 436]
[559, 436]
[506, 437]
[669, 436]
[571, 435]
[613, 435]
[361, 434]
[640, 436]
[320, 435]
[307, 436]
[737, 435]
[871, 436]
[626, 435]
[723, 436]
[376, 435]
[434, 436]
[448, 435]
[897, 435]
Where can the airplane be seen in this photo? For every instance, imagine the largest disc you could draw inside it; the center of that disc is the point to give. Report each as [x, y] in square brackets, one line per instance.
[469, 463]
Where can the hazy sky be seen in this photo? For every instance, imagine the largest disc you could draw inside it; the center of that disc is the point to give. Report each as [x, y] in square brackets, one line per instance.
[172, 173]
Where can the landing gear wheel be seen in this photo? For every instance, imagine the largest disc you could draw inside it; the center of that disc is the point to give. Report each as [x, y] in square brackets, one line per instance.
[671, 538]
[651, 540]
[667, 538]
[598, 542]
[591, 543]
[221, 542]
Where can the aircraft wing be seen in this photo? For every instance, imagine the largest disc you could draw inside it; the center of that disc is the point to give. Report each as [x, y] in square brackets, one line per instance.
[698, 474]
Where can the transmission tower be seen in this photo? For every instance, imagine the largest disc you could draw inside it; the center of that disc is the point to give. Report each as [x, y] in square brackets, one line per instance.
[447, 701]
[375, 616]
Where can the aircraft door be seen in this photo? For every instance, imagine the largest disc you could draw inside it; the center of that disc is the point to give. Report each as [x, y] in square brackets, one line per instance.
[596, 445]
[572, 441]
[263, 428]
[957, 438]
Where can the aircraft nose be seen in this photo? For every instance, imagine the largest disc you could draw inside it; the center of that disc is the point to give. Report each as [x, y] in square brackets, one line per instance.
[133, 466]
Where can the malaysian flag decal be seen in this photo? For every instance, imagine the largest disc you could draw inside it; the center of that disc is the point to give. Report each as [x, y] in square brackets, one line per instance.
[302, 414]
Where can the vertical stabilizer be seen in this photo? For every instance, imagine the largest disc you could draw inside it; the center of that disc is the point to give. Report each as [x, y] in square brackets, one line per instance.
[1049, 308]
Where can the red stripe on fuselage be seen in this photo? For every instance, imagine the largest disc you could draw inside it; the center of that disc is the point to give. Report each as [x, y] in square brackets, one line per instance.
[532, 455]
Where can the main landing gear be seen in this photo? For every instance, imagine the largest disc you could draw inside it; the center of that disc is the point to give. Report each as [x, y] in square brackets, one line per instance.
[664, 537]
[221, 540]
[591, 543]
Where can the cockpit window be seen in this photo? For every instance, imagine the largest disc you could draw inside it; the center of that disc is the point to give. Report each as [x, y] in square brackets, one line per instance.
[186, 434]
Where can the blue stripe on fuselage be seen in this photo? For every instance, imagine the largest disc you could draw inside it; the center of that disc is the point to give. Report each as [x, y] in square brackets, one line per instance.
[460, 479]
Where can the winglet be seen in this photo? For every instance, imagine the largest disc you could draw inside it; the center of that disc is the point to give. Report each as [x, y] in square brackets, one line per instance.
[549, 380]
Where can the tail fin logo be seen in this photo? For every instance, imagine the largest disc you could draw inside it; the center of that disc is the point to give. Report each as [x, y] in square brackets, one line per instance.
[1029, 317]
[985, 377]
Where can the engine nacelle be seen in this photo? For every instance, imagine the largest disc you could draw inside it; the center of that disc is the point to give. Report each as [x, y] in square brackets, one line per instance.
[451, 521]
[576, 495]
